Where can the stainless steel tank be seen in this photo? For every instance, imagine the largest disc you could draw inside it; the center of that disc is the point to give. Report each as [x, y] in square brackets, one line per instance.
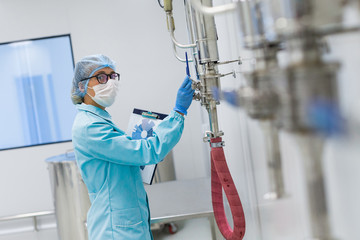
[70, 197]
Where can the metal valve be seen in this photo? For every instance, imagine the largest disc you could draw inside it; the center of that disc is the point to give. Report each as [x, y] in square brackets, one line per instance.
[197, 96]
[196, 85]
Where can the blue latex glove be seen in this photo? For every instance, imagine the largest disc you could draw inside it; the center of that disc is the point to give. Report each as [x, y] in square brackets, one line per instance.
[184, 96]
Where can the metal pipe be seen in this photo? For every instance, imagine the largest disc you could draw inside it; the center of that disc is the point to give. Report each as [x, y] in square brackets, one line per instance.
[209, 81]
[33, 215]
[205, 33]
[179, 44]
[251, 31]
[256, 29]
[312, 149]
[190, 27]
[204, 9]
[27, 215]
[273, 158]
[171, 27]
[36, 229]
[179, 58]
[213, 118]
[239, 61]
[189, 23]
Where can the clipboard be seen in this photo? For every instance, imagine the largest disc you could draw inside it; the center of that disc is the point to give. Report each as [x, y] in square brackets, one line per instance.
[141, 125]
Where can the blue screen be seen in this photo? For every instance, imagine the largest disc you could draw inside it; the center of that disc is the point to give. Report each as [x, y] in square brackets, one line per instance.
[35, 78]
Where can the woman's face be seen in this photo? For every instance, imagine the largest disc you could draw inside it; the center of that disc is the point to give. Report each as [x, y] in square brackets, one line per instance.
[93, 82]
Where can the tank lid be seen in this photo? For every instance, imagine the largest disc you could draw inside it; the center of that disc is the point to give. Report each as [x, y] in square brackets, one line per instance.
[69, 156]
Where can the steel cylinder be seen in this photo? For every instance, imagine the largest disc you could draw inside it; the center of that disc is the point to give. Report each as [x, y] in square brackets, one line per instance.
[260, 98]
[70, 196]
[299, 88]
[312, 148]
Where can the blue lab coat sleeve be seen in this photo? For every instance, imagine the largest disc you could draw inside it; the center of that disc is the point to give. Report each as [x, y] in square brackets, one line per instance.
[107, 143]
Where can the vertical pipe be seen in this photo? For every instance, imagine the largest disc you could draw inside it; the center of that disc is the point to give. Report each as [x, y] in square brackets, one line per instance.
[206, 36]
[210, 80]
[189, 14]
[273, 159]
[312, 149]
[36, 229]
[189, 23]
[213, 118]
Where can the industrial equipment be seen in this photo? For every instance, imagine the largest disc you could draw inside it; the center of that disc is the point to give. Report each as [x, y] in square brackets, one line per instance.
[299, 97]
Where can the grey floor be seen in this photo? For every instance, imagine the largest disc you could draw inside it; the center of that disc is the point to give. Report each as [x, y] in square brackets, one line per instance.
[192, 229]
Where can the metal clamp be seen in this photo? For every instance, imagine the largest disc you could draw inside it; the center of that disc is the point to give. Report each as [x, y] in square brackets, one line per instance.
[217, 144]
[209, 135]
[150, 115]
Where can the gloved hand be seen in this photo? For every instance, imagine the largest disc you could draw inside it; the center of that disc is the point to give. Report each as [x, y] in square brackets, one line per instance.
[184, 96]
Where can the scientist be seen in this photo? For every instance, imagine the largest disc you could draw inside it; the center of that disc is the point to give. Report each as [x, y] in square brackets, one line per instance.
[109, 160]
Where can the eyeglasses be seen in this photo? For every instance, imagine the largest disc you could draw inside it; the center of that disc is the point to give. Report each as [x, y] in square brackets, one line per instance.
[103, 78]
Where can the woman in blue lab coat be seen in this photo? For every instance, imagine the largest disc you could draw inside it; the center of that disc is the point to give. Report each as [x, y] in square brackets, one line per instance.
[109, 160]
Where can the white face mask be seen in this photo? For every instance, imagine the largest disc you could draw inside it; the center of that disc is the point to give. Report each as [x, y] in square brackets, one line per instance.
[105, 94]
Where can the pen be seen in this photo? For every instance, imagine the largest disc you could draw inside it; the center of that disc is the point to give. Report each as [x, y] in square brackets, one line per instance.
[187, 65]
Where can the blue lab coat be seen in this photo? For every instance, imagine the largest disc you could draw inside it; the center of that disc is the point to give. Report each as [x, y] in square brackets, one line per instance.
[109, 163]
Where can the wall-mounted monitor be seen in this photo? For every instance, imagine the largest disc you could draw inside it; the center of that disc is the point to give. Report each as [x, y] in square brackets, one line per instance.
[35, 80]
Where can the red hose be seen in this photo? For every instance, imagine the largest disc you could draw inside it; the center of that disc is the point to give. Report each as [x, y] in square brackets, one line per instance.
[221, 178]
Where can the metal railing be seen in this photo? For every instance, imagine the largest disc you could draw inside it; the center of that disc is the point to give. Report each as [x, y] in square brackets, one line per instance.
[33, 215]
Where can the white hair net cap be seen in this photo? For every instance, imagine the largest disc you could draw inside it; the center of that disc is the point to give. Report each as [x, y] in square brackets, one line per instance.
[85, 68]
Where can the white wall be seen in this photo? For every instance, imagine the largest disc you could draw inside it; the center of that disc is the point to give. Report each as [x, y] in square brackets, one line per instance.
[134, 34]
